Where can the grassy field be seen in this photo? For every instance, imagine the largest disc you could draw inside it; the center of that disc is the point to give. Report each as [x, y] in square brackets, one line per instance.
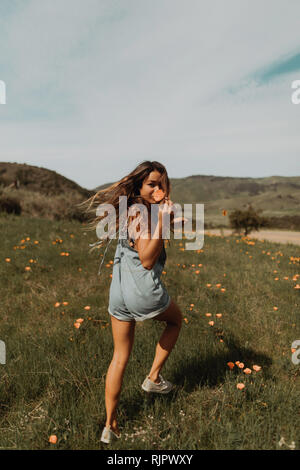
[54, 377]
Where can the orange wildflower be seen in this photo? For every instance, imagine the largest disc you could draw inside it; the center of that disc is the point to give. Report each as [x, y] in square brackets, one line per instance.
[211, 323]
[247, 370]
[87, 307]
[275, 308]
[240, 386]
[53, 439]
[230, 365]
[57, 304]
[256, 368]
[158, 195]
[241, 365]
[7, 260]
[77, 325]
[218, 315]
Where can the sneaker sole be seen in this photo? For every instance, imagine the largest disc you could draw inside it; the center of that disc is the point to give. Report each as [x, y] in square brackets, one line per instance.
[157, 391]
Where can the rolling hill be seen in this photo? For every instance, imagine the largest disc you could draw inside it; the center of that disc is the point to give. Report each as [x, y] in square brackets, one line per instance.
[44, 193]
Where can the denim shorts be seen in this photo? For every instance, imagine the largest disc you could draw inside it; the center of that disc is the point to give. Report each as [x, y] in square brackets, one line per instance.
[136, 293]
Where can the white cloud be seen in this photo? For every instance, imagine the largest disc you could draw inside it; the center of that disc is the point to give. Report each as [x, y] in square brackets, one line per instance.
[95, 87]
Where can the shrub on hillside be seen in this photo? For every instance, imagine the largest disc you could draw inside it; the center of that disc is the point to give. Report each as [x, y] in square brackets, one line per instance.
[247, 220]
[10, 205]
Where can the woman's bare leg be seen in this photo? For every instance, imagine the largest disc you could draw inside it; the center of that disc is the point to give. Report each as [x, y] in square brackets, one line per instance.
[173, 317]
[123, 336]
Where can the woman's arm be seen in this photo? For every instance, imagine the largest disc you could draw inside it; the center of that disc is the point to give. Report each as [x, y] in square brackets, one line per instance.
[149, 248]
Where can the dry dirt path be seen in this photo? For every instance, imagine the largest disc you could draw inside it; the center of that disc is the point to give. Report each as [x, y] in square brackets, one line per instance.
[278, 236]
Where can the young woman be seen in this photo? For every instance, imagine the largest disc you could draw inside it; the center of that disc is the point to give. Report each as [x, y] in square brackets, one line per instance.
[136, 291]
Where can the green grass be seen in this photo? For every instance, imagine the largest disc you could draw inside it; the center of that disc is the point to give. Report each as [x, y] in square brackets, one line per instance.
[54, 377]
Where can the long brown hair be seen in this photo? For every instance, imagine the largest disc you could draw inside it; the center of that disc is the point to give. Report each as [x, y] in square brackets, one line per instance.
[129, 186]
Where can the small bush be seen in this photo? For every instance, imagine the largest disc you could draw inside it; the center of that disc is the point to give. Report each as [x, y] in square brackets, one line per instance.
[247, 220]
[10, 205]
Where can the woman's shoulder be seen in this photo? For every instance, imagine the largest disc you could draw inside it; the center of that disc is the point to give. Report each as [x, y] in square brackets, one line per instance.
[138, 226]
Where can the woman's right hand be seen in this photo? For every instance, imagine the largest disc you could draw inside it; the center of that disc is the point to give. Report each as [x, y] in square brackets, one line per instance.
[166, 208]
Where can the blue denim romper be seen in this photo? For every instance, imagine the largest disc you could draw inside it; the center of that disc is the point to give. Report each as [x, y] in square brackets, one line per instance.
[136, 293]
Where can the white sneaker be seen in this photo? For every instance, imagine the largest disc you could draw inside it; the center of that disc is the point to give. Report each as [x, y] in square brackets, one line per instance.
[108, 435]
[162, 387]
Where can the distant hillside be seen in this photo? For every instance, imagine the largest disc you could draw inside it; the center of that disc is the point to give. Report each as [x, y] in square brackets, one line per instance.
[38, 192]
[277, 196]
[38, 179]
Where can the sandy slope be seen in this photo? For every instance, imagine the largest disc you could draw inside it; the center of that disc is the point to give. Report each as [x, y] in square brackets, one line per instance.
[278, 236]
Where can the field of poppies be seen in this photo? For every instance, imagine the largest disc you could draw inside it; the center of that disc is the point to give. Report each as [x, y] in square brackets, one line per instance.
[236, 384]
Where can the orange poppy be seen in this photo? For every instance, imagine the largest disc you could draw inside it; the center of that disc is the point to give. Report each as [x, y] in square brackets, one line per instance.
[240, 386]
[158, 195]
[230, 364]
[247, 370]
[256, 368]
[53, 439]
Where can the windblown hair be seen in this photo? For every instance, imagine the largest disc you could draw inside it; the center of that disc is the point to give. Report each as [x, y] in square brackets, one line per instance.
[128, 186]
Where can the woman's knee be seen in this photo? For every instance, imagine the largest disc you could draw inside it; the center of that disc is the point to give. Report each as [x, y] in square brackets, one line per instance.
[172, 316]
[120, 361]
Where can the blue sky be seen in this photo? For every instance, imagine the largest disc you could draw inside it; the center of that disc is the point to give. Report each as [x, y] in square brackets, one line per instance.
[204, 87]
